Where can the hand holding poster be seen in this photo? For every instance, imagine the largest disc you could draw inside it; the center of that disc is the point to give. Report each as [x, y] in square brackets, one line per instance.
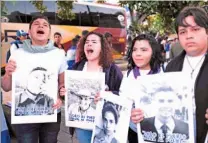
[166, 100]
[112, 119]
[81, 87]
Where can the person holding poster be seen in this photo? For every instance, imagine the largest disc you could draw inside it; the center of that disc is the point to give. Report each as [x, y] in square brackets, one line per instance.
[192, 29]
[37, 52]
[144, 58]
[96, 56]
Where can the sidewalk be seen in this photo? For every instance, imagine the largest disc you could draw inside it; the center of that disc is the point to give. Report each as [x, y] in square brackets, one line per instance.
[64, 135]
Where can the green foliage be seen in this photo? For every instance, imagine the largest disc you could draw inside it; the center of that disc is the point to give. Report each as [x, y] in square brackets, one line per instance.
[65, 10]
[101, 1]
[39, 6]
[167, 10]
[3, 9]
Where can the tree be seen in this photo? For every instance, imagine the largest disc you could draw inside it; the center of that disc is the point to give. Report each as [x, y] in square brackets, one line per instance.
[168, 10]
[3, 8]
[64, 9]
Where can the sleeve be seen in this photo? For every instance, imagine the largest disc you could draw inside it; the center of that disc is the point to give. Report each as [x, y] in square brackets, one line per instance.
[64, 64]
[122, 87]
[115, 79]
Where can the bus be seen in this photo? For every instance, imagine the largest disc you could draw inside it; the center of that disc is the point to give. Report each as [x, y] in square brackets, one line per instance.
[87, 16]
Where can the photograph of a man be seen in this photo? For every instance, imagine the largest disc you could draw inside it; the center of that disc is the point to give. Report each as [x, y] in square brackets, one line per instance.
[110, 120]
[34, 100]
[83, 107]
[163, 127]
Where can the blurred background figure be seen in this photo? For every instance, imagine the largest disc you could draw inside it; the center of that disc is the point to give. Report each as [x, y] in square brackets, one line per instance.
[21, 35]
[175, 49]
[57, 40]
[109, 38]
[84, 33]
[71, 52]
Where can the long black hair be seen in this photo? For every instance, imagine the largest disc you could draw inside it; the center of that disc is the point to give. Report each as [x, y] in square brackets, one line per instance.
[156, 59]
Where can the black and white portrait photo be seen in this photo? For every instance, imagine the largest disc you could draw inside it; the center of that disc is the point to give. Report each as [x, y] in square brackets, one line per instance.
[84, 105]
[167, 106]
[33, 96]
[79, 104]
[112, 119]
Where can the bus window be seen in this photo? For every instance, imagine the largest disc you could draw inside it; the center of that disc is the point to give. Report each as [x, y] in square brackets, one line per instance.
[14, 11]
[77, 10]
[94, 15]
[31, 11]
[107, 17]
[86, 19]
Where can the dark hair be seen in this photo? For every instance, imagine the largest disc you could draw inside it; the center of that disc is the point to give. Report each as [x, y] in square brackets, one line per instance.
[39, 69]
[110, 107]
[107, 34]
[57, 33]
[156, 59]
[74, 42]
[199, 14]
[164, 89]
[106, 57]
[39, 17]
[85, 32]
[77, 37]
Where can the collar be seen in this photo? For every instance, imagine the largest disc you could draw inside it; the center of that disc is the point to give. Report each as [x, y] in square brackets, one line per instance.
[170, 124]
[27, 46]
[27, 95]
[179, 60]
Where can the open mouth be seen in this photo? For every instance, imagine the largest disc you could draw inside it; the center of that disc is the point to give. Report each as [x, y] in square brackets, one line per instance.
[40, 32]
[90, 51]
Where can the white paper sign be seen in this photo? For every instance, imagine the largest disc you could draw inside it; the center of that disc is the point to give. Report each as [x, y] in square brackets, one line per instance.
[166, 100]
[81, 87]
[112, 119]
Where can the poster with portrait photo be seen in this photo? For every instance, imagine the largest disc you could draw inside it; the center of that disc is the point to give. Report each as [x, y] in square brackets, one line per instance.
[81, 88]
[112, 119]
[166, 100]
[34, 92]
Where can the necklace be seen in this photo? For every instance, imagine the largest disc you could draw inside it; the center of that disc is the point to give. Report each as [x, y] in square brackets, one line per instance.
[193, 69]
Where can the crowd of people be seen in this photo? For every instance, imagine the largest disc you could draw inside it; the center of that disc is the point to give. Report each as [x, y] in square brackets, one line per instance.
[91, 52]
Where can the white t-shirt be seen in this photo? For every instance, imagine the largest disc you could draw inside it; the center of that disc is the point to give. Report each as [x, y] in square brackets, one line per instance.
[191, 66]
[53, 61]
